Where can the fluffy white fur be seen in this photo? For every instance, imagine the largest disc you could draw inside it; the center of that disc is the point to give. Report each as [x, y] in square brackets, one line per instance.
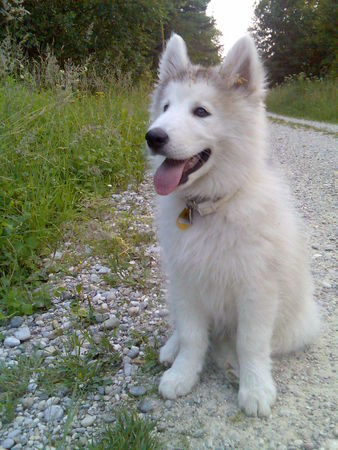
[238, 279]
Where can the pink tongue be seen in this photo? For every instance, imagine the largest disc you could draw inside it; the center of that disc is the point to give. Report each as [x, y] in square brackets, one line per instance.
[168, 176]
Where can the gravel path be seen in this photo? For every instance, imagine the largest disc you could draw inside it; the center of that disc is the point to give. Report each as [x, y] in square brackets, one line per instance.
[132, 318]
[330, 127]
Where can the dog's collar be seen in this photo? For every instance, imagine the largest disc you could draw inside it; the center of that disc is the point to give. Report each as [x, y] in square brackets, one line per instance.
[205, 207]
[202, 207]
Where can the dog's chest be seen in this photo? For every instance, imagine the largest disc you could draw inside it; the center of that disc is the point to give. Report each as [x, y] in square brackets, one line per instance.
[206, 251]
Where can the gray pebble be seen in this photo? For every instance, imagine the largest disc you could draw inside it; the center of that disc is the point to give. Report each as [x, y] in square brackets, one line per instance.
[133, 352]
[94, 278]
[111, 323]
[308, 446]
[8, 443]
[137, 391]
[133, 311]
[42, 405]
[53, 413]
[88, 421]
[32, 387]
[13, 434]
[11, 342]
[108, 390]
[163, 312]
[27, 402]
[168, 404]
[99, 317]
[127, 369]
[98, 298]
[110, 296]
[16, 322]
[146, 405]
[66, 325]
[107, 418]
[17, 447]
[23, 334]
[161, 427]
[58, 255]
[23, 440]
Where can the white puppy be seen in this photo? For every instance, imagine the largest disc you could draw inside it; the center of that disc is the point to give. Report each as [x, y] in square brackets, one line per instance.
[238, 275]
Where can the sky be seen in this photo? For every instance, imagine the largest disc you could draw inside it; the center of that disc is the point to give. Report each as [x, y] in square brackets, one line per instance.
[233, 17]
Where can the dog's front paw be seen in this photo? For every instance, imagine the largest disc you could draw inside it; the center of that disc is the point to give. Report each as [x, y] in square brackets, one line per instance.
[175, 383]
[257, 400]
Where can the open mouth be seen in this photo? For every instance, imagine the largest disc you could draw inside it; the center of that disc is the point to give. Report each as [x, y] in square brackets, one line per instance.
[174, 172]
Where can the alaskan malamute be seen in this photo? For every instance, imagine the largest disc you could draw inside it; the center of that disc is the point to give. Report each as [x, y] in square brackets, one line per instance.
[238, 275]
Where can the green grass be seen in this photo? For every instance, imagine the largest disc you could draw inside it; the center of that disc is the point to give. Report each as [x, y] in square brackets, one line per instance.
[81, 373]
[128, 433]
[304, 98]
[13, 384]
[58, 150]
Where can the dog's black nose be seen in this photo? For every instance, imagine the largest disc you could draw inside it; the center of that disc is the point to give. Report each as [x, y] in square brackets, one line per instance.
[156, 138]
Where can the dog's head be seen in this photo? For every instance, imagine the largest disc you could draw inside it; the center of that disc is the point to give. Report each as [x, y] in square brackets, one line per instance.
[207, 130]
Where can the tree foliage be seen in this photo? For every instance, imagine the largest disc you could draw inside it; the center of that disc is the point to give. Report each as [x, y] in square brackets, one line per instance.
[296, 36]
[129, 34]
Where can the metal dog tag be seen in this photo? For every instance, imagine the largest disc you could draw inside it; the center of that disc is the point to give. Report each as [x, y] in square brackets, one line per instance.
[184, 219]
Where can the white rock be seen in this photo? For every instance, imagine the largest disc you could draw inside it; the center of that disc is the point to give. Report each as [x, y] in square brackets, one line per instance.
[88, 421]
[111, 323]
[133, 352]
[133, 311]
[23, 334]
[8, 443]
[11, 341]
[58, 255]
[110, 296]
[27, 402]
[51, 350]
[66, 325]
[53, 413]
[163, 312]
[94, 278]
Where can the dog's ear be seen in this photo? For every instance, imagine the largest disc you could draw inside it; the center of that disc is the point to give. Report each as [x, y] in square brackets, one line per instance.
[242, 68]
[174, 58]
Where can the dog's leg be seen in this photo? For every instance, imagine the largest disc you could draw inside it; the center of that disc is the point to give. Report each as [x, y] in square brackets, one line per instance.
[169, 351]
[257, 391]
[192, 329]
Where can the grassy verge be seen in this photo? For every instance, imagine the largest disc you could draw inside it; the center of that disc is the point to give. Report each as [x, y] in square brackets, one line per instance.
[57, 150]
[304, 98]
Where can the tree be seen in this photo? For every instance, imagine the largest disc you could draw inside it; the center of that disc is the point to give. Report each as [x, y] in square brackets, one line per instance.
[295, 36]
[128, 34]
[188, 18]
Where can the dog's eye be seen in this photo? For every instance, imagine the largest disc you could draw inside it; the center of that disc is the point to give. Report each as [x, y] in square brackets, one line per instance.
[201, 112]
[166, 107]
